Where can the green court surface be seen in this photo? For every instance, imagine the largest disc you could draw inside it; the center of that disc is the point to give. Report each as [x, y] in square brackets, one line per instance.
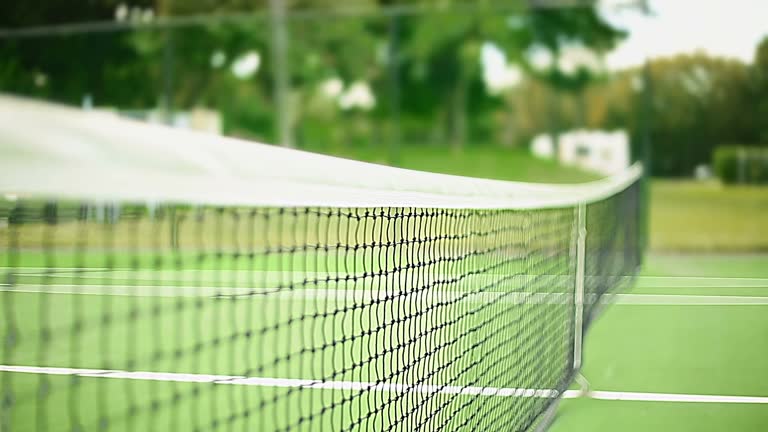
[676, 346]
[690, 349]
[178, 326]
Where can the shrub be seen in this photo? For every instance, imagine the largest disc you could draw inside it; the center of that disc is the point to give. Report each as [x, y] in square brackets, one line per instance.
[738, 164]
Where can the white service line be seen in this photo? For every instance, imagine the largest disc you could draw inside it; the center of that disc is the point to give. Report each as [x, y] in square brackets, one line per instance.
[288, 382]
[386, 387]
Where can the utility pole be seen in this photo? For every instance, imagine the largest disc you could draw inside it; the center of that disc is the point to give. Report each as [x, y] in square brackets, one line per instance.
[394, 89]
[166, 100]
[281, 73]
[647, 101]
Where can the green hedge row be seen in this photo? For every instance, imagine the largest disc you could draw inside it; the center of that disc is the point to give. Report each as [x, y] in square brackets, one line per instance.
[735, 164]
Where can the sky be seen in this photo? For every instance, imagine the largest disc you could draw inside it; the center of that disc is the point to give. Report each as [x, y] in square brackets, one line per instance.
[728, 28]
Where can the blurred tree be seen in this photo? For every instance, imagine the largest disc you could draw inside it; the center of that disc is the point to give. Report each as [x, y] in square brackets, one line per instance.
[316, 49]
[71, 66]
[575, 39]
[29, 13]
[442, 51]
[698, 103]
[760, 88]
[436, 62]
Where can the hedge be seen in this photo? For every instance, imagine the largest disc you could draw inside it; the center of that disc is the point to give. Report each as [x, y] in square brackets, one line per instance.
[738, 164]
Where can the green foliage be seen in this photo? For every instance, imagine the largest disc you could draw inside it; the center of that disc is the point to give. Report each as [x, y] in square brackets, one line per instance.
[442, 53]
[27, 13]
[760, 89]
[694, 104]
[726, 164]
[734, 164]
[557, 28]
[436, 55]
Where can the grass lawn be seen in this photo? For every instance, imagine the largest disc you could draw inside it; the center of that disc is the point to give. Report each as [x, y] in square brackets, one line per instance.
[708, 217]
[688, 349]
[475, 161]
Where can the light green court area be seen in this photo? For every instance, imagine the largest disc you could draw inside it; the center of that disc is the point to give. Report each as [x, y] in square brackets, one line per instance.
[159, 406]
[680, 349]
[270, 351]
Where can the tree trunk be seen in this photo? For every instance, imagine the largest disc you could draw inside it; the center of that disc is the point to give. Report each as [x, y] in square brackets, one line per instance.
[394, 91]
[459, 115]
[437, 135]
[553, 107]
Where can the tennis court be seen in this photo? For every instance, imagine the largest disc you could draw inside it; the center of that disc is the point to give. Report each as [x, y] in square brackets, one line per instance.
[216, 290]
[400, 215]
[695, 354]
[656, 342]
[433, 302]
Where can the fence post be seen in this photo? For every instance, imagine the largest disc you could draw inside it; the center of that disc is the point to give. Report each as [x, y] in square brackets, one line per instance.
[282, 75]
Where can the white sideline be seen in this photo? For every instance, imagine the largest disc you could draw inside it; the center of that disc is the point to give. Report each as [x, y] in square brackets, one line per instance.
[674, 397]
[386, 387]
[700, 282]
[684, 300]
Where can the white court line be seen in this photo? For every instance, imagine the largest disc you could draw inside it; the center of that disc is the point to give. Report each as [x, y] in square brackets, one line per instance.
[364, 295]
[683, 300]
[386, 387]
[674, 397]
[196, 275]
[700, 282]
[287, 382]
[703, 278]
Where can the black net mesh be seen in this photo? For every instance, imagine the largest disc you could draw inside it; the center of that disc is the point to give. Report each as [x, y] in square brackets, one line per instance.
[614, 247]
[126, 316]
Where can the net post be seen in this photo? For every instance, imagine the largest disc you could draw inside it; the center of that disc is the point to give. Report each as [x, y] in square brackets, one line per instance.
[581, 241]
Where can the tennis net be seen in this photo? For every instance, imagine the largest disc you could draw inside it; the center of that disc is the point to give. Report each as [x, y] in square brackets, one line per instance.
[157, 279]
